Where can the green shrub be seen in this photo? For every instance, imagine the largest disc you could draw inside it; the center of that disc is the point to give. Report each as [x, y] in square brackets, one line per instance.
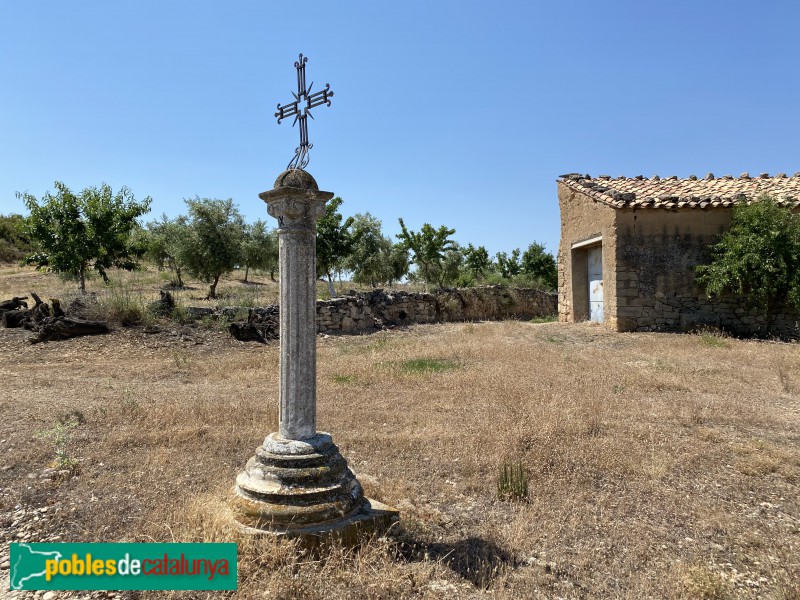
[125, 307]
[712, 337]
[758, 258]
[512, 481]
[544, 319]
[60, 436]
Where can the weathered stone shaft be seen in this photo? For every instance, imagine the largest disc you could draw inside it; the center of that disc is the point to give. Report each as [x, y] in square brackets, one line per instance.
[298, 353]
[297, 208]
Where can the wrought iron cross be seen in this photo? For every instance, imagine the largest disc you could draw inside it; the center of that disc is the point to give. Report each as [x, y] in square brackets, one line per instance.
[304, 101]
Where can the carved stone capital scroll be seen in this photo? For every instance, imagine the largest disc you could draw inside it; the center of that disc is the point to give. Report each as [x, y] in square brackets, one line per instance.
[296, 208]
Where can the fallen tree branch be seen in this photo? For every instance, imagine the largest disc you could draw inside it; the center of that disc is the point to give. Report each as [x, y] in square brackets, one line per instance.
[63, 328]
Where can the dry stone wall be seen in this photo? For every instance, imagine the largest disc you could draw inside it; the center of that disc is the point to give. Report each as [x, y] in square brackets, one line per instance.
[356, 313]
[368, 311]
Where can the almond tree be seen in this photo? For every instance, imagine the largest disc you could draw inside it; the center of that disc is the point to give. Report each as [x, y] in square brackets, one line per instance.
[509, 266]
[90, 230]
[374, 259]
[428, 249]
[335, 241]
[539, 263]
[477, 261]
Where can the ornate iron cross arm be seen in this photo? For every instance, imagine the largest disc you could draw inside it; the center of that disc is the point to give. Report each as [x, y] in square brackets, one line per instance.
[300, 109]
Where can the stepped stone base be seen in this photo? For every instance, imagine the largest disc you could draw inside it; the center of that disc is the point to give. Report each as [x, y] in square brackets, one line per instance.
[305, 489]
[372, 519]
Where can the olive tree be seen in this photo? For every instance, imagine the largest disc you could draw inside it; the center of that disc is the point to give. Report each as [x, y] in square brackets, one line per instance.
[213, 246]
[260, 249]
[165, 242]
[15, 243]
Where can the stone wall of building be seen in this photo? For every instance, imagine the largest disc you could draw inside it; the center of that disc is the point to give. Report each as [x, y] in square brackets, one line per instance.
[657, 252]
[692, 310]
[583, 218]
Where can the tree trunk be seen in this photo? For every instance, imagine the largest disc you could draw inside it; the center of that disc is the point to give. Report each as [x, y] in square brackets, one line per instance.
[16, 318]
[770, 317]
[246, 271]
[331, 290]
[272, 274]
[64, 328]
[14, 304]
[82, 275]
[178, 274]
[247, 330]
[212, 291]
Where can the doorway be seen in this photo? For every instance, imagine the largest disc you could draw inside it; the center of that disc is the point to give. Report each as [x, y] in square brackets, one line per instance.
[595, 272]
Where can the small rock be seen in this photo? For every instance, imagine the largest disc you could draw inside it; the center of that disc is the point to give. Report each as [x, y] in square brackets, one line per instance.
[442, 586]
[49, 596]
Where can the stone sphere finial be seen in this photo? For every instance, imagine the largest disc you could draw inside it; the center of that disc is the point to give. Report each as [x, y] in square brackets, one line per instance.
[296, 178]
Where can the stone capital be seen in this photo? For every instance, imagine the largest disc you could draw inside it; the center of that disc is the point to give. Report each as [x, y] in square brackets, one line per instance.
[295, 208]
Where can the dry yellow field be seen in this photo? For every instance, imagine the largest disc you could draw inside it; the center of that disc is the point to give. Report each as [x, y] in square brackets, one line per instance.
[662, 466]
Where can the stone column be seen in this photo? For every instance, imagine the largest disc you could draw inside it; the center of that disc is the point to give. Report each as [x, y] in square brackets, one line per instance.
[297, 211]
[298, 483]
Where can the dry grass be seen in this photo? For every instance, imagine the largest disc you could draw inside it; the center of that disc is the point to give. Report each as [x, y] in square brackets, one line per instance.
[659, 465]
[134, 290]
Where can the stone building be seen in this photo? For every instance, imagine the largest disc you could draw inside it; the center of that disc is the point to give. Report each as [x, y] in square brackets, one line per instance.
[629, 247]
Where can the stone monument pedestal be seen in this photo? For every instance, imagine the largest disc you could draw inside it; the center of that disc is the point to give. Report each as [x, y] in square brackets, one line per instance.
[304, 489]
[298, 484]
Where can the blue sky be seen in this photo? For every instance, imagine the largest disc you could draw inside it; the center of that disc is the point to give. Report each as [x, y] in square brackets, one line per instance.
[457, 113]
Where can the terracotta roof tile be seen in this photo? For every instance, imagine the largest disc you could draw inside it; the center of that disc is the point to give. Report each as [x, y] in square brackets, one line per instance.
[671, 192]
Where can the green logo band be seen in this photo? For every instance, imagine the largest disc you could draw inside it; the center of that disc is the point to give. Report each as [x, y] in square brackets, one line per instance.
[123, 567]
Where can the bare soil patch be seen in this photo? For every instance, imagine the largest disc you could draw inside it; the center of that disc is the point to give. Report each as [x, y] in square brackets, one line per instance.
[660, 465]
